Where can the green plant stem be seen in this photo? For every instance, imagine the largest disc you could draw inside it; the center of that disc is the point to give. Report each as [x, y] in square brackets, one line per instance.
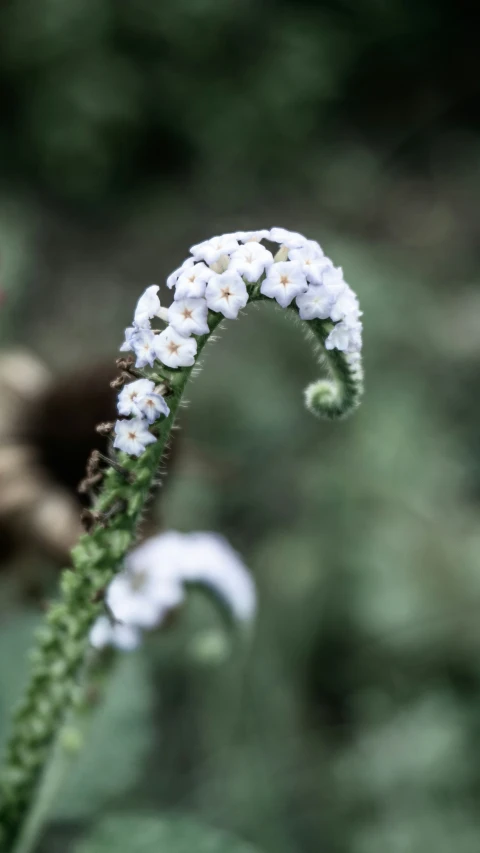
[62, 643]
[59, 657]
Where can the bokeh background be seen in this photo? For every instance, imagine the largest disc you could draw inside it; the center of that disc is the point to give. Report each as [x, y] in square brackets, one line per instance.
[130, 129]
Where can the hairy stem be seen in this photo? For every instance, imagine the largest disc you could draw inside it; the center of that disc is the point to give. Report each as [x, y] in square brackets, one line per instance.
[62, 643]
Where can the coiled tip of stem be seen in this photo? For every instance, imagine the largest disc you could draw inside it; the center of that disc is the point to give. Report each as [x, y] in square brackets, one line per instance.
[332, 399]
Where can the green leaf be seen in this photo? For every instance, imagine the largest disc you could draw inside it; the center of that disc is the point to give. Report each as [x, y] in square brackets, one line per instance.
[115, 742]
[152, 834]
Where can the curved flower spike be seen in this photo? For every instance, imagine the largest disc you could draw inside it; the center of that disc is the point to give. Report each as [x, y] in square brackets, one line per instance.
[305, 283]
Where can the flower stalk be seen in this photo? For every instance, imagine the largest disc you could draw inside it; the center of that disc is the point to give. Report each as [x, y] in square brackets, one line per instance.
[234, 276]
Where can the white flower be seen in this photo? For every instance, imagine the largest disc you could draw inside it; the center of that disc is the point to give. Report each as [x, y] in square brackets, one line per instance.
[148, 306]
[312, 259]
[127, 345]
[132, 436]
[347, 338]
[291, 239]
[210, 560]
[153, 581]
[106, 633]
[332, 278]
[285, 280]
[174, 350]
[315, 303]
[226, 293]
[210, 250]
[131, 394]
[152, 406]
[191, 284]
[251, 260]
[172, 278]
[189, 317]
[345, 305]
[247, 236]
[142, 594]
[143, 345]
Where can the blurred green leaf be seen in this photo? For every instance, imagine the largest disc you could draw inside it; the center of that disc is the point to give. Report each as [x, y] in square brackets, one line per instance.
[116, 742]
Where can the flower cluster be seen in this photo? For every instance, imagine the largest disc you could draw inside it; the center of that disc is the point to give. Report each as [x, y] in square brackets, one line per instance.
[219, 277]
[153, 582]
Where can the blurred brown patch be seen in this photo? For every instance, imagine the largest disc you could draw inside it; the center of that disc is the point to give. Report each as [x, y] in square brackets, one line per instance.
[47, 432]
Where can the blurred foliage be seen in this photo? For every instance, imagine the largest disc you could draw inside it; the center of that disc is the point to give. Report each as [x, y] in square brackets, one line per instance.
[99, 96]
[132, 129]
[142, 834]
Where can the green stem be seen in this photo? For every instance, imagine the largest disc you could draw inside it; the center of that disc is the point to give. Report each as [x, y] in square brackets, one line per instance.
[62, 643]
[59, 657]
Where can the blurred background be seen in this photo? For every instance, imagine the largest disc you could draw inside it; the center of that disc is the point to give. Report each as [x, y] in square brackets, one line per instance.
[129, 130]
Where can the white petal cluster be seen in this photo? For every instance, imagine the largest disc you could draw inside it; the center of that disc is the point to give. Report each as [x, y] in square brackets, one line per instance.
[154, 579]
[139, 402]
[218, 277]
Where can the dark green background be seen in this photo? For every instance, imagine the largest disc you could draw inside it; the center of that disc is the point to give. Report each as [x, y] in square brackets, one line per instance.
[133, 128]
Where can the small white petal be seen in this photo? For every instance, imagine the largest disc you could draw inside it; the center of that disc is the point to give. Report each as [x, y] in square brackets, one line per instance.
[132, 436]
[251, 260]
[127, 345]
[285, 280]
[152, 406]
[291, 239]
[148, 306]
[131, 394]
[346, 304]
[189, 317]
[174, 350]
[345, 338]
[316, 303]
[312, 259]
[247, 236]
[143, 345]
[172, 278]
[192, 283]
[227, 294]
[211, 250]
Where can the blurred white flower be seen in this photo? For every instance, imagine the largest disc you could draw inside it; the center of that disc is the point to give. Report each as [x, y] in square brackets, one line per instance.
[132, 436]
[210, 250]
[191, 284]
[154, 579]
[285, 280]
[226, 293]
[148, 306]
[174, 350]
[189, 317]
[251, 260]
[143, 593]
[105, 633]
[211, 561]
